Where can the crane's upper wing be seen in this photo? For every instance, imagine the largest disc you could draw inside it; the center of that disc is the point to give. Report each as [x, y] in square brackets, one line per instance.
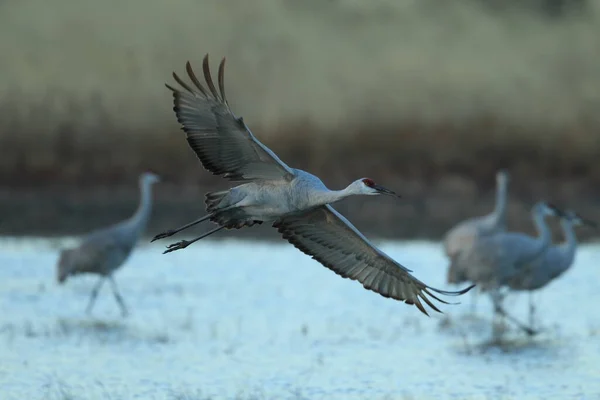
[332, 240]
[222, 142]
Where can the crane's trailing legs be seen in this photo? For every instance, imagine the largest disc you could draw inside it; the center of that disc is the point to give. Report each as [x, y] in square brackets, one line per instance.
[172, 232]
[185, 243]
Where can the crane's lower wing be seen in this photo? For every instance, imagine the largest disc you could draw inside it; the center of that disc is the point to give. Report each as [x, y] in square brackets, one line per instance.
[222, 142]
[333, 241]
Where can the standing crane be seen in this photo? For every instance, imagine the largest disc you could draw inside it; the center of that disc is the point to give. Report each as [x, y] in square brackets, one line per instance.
[297, 202]
[494, 259]
[103, 251]
[463, 235]
[555, 261]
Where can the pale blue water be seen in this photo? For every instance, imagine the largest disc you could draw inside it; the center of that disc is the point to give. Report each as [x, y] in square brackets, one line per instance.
[263, 321]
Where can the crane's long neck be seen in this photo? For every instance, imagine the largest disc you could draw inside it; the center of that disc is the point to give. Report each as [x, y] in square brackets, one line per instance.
[544, 234]
[142, 214]
[500, 207]
[322, 197]
[568, 248]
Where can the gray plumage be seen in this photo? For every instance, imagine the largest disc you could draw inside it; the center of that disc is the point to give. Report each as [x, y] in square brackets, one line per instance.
[105, 250]
[494, 259]
[464, 235]
[553, 262]
[270, 191]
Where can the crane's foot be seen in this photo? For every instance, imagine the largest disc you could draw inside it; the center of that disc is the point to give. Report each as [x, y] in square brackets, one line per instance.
[177, 246]
[163, 235]
[530, 331]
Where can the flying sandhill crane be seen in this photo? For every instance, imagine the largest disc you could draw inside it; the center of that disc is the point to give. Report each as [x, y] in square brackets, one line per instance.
[494, 259]
[104, 251]
[553, 262]
[463, 235]
[297, 202]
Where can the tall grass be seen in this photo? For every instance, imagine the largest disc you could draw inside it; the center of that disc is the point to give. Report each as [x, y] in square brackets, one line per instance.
[430, 95]
[436, 83]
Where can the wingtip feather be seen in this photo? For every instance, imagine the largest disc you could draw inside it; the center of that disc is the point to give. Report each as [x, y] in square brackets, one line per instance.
[194, 78]
[452, 293]
[208, 77]
[221, 80]
[182, 83]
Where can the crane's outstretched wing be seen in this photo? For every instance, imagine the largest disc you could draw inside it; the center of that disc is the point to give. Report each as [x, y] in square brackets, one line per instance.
[331, 239]
[222, 142]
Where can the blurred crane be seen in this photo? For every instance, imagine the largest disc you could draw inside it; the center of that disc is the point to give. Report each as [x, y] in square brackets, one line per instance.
[463, 235]
[104, 251]
[552, 263]
[494, 259]
[297, 202]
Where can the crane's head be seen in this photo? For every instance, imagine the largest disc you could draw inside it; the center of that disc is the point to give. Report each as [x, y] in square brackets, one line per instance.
[547, 209]
[578, 220]
[149, 178]
[369, 187]
[502, 177]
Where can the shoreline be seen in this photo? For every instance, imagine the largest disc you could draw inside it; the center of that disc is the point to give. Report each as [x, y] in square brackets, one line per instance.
[425, 212]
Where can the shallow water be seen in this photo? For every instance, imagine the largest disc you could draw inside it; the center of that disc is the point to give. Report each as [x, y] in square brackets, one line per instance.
[247, 320]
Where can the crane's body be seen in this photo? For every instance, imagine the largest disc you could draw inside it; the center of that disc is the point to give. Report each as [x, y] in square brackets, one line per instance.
[268, 200]
[463, 236]
[495, 259]
[105, 250]
[555, 261]
[297, 202]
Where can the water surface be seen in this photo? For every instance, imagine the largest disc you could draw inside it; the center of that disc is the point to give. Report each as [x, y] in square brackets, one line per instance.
[252, 320]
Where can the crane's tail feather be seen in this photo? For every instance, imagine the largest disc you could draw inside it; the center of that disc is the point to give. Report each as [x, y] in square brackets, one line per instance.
[222, 206]
[214, 200]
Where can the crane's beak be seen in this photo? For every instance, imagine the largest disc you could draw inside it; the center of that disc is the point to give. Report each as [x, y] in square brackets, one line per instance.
[557, 211]
[589, 223]
[381, 190]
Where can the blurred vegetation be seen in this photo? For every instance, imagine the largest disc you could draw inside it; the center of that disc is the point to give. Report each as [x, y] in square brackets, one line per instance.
[417, 94]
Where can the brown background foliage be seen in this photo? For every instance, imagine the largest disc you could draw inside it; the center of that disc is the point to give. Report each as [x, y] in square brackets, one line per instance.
[426, 97]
